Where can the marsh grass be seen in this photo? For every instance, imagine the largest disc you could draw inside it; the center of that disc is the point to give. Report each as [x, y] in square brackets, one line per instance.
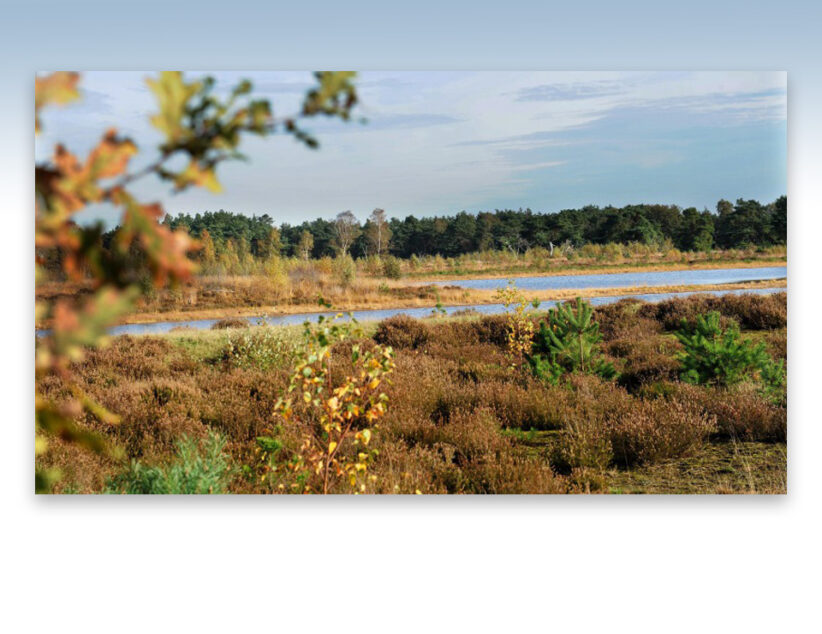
[293, 286]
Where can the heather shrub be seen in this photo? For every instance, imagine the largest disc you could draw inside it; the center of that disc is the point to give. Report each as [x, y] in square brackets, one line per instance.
[583, 407]
[78, 470]
[489, 329]
[507, 473]
[646, 363]
[230, 322]
[651, 431]
[619, 318]
[755, 312]
[750, 311]
[153, 414]
[197, 468]
[584, 445]
[525, 405]
[463, 454]
[671, 312]
[402, 331]
[135, 358]
[777, 344]
[600, 415]
[238, 403]
[451, 335]
[472, 433]
[742, 412]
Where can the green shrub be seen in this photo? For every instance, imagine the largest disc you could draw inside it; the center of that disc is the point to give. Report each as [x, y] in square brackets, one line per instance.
[717, 356]
[345, 270]
[264, 348]
[568, 343]
[391, 267]
[197, 468]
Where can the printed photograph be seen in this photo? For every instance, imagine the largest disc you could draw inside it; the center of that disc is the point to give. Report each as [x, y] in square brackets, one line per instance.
[335, 282]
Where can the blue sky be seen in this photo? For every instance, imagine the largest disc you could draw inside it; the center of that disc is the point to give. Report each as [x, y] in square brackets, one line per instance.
[439, 142]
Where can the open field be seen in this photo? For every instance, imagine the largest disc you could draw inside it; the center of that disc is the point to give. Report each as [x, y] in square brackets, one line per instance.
[458, 419]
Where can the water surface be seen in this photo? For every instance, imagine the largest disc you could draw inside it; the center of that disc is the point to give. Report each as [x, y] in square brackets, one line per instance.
[380, 314]
[622, 280]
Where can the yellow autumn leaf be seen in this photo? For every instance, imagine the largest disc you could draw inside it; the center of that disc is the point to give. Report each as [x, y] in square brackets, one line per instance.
[172, 95]
[195, 174]
[331, 447]
[57, 88]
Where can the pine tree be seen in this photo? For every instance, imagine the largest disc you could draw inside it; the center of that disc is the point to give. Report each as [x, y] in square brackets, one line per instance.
[569, 342]
[717, 356]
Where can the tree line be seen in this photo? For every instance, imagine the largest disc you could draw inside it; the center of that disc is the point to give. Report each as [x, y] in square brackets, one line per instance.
[733, 225]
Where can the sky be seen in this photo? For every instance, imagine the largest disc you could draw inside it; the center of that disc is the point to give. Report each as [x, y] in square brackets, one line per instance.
[439, 142]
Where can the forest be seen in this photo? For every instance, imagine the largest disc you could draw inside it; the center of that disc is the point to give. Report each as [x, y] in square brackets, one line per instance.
[733, 225]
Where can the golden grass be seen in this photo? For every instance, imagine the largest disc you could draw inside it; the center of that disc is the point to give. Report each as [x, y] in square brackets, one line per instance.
[573, 268]
[362, 299]
[297, 285]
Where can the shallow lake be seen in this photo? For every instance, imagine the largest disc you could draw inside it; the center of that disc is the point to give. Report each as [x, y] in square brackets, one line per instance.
[617, 280]
[377, 315]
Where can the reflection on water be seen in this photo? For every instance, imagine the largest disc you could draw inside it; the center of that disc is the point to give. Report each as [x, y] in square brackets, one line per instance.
[377, 315]
[617, 280]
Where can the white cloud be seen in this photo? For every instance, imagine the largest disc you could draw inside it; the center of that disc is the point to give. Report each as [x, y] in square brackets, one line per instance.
[439, 141]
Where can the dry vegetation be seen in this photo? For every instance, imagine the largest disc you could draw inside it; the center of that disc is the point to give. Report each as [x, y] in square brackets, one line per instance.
[458, 421]
[292, 286]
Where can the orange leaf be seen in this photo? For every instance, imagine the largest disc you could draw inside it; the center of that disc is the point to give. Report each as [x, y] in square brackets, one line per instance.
[57, 88]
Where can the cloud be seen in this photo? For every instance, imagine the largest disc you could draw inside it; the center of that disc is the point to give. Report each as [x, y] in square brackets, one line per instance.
[571, 92]
[725, 108]
[538, 166]
[435, 142]
[407, 121]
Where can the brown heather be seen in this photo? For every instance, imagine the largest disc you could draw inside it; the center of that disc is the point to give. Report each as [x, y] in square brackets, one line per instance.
[230, 322]
[401, 332]
[753, 312]
[458, 420]
[742, 413]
